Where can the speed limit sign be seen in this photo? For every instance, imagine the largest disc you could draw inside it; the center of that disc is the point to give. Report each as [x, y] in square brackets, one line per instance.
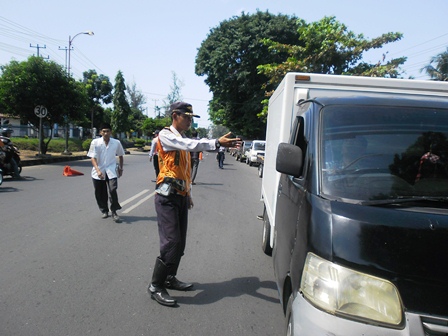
[40, 111]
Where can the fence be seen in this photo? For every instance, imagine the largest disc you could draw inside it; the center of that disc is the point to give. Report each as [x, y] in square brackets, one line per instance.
[58, 132]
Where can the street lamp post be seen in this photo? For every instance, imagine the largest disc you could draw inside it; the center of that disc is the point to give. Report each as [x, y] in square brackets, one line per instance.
[70, 40]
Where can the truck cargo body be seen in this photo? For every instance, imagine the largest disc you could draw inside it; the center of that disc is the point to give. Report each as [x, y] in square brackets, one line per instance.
[355, 191]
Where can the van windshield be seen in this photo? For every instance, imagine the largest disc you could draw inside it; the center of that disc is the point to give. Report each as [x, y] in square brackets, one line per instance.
[383, 152]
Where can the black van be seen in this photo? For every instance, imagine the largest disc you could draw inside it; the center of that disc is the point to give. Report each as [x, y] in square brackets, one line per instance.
[361, 234]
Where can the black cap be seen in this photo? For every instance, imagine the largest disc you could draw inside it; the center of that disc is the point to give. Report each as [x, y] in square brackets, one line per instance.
[182, 107]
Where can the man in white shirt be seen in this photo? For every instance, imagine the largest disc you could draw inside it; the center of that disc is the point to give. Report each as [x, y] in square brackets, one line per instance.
[103, 152]
[153, 154]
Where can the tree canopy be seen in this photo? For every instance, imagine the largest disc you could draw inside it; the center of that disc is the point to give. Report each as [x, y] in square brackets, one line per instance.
[246, 57]
[99, 90]
[24, 85]
[438, 71]
[328, 47]
[122, 110]
[229, 57]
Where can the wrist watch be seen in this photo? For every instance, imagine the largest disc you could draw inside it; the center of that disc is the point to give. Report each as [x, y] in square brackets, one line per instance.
[217, 144]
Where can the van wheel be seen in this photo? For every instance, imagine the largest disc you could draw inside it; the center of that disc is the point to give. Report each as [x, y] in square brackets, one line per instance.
[289, 328]
[260, 171]
[266, 240]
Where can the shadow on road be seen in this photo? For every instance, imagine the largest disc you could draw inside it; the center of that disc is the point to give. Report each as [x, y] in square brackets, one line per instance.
[213, 292]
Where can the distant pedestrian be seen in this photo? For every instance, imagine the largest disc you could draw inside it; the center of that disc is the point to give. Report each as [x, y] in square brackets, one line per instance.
[195, 158]
[221, 157]
[154, 154]
[105, 172]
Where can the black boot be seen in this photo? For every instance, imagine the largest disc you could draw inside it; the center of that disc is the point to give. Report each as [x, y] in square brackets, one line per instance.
[172, 282]
[157, 286]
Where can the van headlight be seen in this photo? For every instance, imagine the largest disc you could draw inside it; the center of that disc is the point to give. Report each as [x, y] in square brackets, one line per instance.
[344, 292]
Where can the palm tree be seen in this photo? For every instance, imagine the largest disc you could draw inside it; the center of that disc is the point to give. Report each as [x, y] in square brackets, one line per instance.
[440, 71]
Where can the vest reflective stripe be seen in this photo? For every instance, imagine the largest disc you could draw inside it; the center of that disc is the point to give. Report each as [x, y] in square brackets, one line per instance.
[175, 164]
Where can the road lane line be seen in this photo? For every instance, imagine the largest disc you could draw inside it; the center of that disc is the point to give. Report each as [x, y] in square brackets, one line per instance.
[139, 202]
[134, 197]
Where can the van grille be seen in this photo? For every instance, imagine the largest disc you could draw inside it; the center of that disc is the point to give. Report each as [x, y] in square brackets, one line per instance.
[434, 326]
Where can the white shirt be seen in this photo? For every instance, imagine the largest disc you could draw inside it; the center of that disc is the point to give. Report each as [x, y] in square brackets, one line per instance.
[153, 150]
[105, 156]
[174, 141]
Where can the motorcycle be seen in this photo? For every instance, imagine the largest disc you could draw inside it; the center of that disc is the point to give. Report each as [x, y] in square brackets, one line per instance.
[10, 162]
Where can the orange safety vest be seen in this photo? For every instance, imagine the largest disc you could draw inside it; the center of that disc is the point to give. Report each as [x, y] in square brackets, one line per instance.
[175, 164]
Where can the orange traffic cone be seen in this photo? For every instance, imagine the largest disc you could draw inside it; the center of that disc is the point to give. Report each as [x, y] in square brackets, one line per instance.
[68, 171]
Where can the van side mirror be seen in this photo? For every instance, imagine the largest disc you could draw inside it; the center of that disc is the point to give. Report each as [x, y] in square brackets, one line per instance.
[289, 159]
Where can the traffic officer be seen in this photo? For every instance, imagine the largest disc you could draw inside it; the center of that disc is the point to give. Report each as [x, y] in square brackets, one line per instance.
[173, 197]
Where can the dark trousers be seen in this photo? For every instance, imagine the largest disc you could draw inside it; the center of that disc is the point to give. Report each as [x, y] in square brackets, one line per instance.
[105, 189]
[155, 161]
[194, 168]
[172, 220]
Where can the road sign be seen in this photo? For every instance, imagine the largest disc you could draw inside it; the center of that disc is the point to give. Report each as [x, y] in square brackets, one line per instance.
[41, 111]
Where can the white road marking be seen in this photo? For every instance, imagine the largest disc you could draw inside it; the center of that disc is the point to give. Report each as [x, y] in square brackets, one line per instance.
[143, 200]
[134, 197]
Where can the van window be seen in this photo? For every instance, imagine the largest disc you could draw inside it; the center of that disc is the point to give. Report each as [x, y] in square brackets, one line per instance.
[298, 138]
[383, 152]
[259, 146]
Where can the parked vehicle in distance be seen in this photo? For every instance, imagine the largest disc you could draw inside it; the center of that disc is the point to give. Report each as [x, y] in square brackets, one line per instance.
[256, 148]
[355, 192]
[241, 152]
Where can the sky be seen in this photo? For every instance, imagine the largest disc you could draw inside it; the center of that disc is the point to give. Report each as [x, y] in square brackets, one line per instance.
[149, 40]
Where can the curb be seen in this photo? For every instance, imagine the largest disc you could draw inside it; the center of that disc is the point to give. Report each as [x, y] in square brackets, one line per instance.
[39, 161]
[52, 159]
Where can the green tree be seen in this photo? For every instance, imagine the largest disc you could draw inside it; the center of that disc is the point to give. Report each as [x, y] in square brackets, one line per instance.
[122, 110]
[150, 125]
[136, 101]
[328, 47]
[203, 132]
[99, 89]
[24, 85]
[439, 72]
[229, 57]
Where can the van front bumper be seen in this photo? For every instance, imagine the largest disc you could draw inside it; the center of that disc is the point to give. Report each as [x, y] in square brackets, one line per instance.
[309, 320]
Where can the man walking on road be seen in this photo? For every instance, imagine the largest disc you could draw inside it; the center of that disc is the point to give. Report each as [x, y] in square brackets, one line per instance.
[105, 172]
[153, 154]
[173, 198]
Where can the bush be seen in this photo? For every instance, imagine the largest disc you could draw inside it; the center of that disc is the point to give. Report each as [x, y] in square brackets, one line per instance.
[86, 144]
[56, 145]
[139, 143]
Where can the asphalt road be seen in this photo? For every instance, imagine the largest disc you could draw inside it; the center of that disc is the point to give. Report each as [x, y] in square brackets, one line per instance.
[66, 271]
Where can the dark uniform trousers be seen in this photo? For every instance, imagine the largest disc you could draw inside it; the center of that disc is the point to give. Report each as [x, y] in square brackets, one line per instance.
[172, 218]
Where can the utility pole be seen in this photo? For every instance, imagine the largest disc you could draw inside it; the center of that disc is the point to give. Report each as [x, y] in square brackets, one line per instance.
[65, 49]
[39, 47]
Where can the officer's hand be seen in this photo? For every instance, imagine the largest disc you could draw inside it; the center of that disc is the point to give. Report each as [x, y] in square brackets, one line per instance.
[226, 141]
